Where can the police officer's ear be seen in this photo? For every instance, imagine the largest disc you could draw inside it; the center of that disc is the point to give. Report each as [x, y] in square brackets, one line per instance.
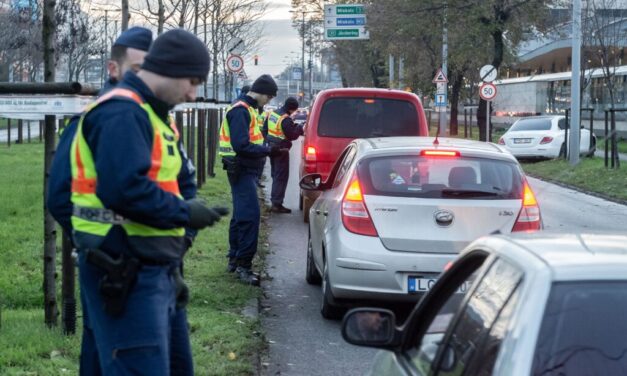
[114, 69]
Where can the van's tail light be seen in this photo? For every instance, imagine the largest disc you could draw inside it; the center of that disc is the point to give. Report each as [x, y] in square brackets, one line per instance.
[529, 216]
[355, 216]
[546, 140]
[501, 141]
[310, 159]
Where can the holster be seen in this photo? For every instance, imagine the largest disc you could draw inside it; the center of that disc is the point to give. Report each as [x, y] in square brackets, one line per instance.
[118, 281]
[181, 289]
[233, 168]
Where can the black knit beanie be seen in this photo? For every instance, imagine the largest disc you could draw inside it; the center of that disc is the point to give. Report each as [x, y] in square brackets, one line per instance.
[264, 85]
[178, 54]
[291, 104]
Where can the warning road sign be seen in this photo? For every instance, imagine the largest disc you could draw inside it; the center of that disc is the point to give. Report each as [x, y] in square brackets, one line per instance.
[439, 77]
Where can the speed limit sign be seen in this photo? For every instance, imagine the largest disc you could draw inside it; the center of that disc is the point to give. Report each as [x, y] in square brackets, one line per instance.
[234, 63]
[487, 91]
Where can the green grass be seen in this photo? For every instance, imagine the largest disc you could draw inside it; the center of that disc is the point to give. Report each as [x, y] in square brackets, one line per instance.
[3, 123]
[590, 175]
[622, 146]
[223, 340]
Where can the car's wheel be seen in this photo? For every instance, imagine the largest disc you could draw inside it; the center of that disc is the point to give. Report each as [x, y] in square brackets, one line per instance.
[562, 153]
[311, 274]
[306, 206]
[300, 201]
[328, 308]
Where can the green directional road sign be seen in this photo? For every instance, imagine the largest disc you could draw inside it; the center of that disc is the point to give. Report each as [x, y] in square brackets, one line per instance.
[343, 33]
[349, 9]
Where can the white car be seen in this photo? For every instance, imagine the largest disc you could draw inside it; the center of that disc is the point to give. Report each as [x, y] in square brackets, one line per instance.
[394, 211]
[541, 304]
[543, 137]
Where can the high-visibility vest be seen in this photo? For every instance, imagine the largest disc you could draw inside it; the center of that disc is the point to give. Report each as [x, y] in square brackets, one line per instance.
[254, 132]
[90, 218]
[275, 125]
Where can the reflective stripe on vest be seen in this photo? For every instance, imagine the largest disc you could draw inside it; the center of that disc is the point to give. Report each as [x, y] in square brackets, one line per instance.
[254, 132]
[90, 218]
[275, 125]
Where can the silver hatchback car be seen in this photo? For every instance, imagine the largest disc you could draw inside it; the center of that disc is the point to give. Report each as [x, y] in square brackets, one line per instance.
[541, 304]
[394, 211]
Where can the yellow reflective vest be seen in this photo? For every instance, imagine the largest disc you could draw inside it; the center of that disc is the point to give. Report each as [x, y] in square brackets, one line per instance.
[254, 131]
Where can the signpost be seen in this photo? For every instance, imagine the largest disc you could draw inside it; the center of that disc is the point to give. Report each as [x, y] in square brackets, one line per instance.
[487, 91]
[345, 22]
[441, 100]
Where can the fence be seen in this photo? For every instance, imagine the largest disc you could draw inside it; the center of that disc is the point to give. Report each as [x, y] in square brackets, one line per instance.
[198, 123]
[610, 155]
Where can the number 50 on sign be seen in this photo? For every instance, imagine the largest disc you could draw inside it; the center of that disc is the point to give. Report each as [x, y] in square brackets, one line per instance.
[487, 91]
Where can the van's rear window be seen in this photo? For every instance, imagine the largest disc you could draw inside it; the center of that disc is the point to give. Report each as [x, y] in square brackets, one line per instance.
[368, 117]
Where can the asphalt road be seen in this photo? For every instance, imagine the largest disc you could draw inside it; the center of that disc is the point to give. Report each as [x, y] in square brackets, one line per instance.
[301, 342]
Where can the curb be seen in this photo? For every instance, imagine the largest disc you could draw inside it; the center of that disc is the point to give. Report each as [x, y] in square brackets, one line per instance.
[579, 189]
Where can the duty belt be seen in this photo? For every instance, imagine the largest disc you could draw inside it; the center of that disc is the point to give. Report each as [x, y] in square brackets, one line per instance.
[98, 215]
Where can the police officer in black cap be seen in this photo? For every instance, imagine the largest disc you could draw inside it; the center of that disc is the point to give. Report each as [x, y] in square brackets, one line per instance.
[127, 53]
[243, 152]
[281, 131]
[126, 171]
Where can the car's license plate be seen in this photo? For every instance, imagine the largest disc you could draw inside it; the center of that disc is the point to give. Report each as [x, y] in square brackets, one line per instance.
[418, 285]
[522, 140]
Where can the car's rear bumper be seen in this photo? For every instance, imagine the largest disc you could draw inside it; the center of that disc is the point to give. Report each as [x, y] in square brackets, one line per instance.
[543, 151]
[360, 267]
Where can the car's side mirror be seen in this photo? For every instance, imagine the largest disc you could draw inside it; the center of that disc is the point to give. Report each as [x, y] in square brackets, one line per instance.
[373, 327]
[311, 182]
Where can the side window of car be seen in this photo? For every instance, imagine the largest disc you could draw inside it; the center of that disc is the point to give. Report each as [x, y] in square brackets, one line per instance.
[474, 338]
[344, 167]
[423, 355]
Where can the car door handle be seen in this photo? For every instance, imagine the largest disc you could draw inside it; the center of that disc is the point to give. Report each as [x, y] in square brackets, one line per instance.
[325, 213]
[317, 211]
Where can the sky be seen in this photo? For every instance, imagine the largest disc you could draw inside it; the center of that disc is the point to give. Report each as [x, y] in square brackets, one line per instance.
[281, 39]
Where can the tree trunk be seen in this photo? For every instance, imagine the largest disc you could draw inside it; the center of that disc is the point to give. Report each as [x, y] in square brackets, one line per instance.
[125, 15]
[49, 286]
[161, 17]
[457, 79]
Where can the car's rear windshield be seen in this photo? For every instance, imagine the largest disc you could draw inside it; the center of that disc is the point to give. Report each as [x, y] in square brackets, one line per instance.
[531, 125]
[441, 177]
[368, 117]
[583, 330]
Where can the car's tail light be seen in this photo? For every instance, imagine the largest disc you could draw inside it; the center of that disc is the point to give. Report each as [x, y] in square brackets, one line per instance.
[439, 153]
[448, 265]
[355, 216]
[501, 141]
[310, 159]
[529, 216]
[546, 140]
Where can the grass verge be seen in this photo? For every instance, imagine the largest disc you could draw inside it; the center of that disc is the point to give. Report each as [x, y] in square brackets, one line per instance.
[590, 175]
[223, 340]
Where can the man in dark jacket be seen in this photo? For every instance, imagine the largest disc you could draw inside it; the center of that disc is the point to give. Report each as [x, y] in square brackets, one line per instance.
[281, 131]
[243, 152]
[129, 207]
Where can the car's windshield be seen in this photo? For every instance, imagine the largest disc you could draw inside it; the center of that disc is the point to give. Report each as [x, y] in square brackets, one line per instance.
[368, 117]
[583, 330]
[438, 177]
[542, 124]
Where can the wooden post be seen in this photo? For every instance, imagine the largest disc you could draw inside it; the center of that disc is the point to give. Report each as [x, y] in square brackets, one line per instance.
[68, 315]
[8, 132]
[28, 130]
[20, 131]
[199, 170]
[49, 287]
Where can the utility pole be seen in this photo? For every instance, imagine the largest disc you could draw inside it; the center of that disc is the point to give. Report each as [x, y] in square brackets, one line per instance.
[442, 127]
[401, 72]
[125, 15]
[391, 66]
[302, 60]
[575, 98]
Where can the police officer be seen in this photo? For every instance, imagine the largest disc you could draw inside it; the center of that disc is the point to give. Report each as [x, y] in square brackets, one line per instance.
[281, 131]
[128, 211]
[243, 153]
[127, 53]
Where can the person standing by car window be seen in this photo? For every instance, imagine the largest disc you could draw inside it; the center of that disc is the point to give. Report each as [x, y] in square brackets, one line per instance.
[281, 131]
[243, 152]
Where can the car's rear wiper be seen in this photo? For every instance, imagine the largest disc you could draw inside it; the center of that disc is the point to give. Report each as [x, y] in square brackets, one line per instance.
[458, 192]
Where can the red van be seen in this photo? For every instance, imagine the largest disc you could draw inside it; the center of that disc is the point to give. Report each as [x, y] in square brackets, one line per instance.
[339, 116]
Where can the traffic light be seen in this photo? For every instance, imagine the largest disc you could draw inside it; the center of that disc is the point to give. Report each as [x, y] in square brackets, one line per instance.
[256, 59]
[309, 64]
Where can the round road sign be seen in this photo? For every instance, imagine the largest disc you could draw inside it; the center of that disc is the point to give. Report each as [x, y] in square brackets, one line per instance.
[234, 63]
[487, 73]
[487, 91]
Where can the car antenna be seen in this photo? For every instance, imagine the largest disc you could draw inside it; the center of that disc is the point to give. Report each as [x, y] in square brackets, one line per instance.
[435, 141]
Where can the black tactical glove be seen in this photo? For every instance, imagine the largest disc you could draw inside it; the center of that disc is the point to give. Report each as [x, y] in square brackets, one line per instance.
[276, 150]
[201, 216]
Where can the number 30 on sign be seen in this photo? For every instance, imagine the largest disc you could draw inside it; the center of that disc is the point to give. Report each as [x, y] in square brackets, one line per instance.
[487, 91]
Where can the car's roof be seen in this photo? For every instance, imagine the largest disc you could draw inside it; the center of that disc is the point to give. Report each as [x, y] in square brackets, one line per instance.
[575, 256]
[542, 117]
[393, 145]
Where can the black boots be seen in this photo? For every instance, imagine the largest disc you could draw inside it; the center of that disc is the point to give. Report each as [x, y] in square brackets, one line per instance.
[280, 209]
[246, 275]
